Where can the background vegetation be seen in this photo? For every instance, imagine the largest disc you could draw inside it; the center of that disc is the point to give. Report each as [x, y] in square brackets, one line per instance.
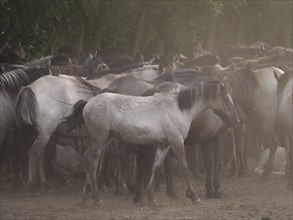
[43, 26]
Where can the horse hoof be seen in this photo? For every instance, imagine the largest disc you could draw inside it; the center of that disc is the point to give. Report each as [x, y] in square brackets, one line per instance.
[98, 202]
[196, 201]
[32, 191]
[118, 193]
[263, 177]
[218, 194]
[136, 199]
[231, 174]
[172, 195]
[103, 189]
[209, 195]
[157, 188]
[241, 173]
[81, 204]
[46, 189]
[33, 194]
[153, 203]
[196, 176]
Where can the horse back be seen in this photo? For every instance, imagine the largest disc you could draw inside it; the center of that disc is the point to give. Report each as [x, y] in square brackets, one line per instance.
[138, 120]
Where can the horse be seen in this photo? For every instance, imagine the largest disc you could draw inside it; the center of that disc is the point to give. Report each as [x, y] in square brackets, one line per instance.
[49, 60]
[55, 105]
[283, 122]
[93, 66]
[163, 119]
[243, 81]
[10, 84]
[12, 53]
[208, 127]
[266, 100]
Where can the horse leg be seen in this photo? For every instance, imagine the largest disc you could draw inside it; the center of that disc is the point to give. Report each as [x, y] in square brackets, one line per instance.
[179, 151]
[270, 139]
[220, 141]
[196, 162]
[91, 159]
[41, 169]
[159, 158]
[14, 155]
[232, 152]
[208, 168]
[290, 183]
[239, 132]
[168, 163]
[139, 177]
[85, 192]
[35, 154]
[19, 154]
[118, 156]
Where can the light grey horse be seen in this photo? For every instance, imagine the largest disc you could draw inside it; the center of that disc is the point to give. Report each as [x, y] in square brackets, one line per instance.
[44, 103]
[162, 119]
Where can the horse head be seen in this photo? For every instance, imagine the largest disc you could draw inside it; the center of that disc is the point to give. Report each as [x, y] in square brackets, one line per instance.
[243, 83]
[223, 105]
[169, 63]
[95, 64]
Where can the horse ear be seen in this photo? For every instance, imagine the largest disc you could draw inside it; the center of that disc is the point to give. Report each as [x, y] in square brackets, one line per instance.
[96, 53]
[225, 79]
[161, 68]
[176, 59]
[276, 75]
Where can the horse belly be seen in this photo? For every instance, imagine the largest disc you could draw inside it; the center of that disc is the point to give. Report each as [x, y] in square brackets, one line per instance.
[139, 131]
[285, 115]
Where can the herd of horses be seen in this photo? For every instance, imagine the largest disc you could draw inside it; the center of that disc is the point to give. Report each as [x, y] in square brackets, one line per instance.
[100, 120]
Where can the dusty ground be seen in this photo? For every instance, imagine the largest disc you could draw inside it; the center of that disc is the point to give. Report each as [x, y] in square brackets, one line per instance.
[244, 198]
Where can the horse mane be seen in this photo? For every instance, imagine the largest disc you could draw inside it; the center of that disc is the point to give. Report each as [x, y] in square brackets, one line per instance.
[12, 81]
[244, 74]
[169, 87]
[205, 91]
[62, 59]
[43, 61]
[72, 70]
[116, 70]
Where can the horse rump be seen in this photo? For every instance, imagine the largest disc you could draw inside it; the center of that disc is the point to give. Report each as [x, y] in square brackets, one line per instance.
[26, 109]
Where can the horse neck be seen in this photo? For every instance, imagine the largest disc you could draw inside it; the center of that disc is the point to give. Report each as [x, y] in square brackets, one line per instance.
[197, 108]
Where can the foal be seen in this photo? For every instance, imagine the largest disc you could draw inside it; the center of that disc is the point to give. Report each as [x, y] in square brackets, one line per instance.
[162, 119]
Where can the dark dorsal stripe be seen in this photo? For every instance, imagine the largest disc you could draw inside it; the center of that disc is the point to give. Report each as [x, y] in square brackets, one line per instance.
[206, 91]
[72, 70]
[116, 70]
[12, 81]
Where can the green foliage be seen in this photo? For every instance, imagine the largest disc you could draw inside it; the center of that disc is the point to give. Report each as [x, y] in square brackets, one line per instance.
[43, 26]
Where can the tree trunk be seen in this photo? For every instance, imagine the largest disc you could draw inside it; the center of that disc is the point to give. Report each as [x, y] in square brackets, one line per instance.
[97, 37]
[57, 36]
[138, 32]
[161, 46]
[78, 46]
[211, 32]
[239, 32]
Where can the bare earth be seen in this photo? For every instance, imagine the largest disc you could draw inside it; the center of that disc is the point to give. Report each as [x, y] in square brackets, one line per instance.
[244, 198]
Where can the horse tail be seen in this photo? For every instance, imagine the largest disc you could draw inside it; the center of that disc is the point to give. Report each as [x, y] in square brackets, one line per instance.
[74, 123]
[109, 90]
[26, 109]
